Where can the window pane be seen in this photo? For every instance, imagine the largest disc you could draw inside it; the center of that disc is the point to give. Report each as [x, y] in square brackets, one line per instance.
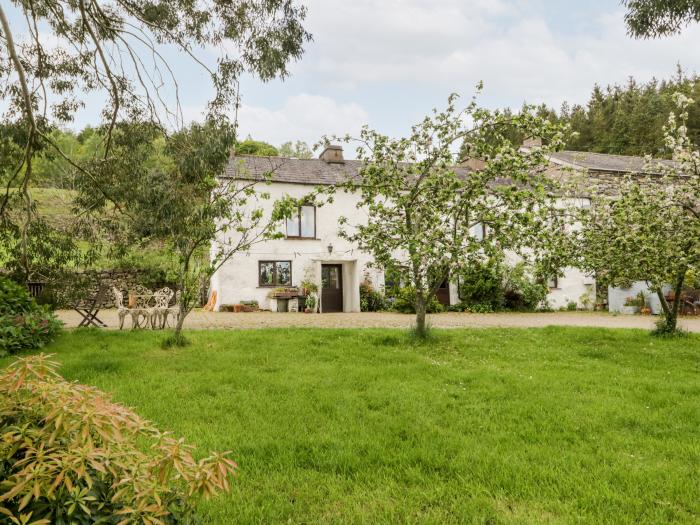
[284, 273]
[267, 273]
[293, 226]
[332, 278]
[308, 219]
[478, 232]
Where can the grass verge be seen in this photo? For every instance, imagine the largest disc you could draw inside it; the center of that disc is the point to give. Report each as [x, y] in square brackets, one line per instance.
[553, 425]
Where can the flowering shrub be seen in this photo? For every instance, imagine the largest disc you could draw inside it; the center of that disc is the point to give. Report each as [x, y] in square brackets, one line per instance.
[23, 323]
[70, 455]
[370, 299]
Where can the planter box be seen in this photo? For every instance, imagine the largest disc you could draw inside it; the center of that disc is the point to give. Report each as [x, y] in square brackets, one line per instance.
[629, 310]
[284, 295]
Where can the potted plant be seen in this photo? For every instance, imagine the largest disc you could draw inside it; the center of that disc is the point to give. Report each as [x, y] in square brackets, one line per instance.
[249, 306]
[633, 304]
[308, 287]
[310, 304]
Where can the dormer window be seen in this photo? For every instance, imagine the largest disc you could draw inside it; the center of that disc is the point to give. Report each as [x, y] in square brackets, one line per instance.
[302, 224]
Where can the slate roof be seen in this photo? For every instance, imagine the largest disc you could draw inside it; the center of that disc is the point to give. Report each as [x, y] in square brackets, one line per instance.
[606, 162]
[296, 171]
[319, 172]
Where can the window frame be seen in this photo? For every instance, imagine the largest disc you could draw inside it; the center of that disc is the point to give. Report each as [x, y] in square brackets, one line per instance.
[298, 221]
[275, 283]
[554, 280]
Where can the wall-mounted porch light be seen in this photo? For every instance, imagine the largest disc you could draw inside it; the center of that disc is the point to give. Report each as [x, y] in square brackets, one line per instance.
[330, 248]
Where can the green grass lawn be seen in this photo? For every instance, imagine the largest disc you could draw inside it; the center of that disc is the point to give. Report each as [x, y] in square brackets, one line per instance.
[555, 425]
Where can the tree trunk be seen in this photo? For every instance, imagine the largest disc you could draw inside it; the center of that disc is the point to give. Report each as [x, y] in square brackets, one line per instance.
[421, 329]
[180, 322]
[670, 320]
[184, 310]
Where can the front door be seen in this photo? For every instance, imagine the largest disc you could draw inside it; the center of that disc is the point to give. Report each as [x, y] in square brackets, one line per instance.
[443, 293]
[332, 288]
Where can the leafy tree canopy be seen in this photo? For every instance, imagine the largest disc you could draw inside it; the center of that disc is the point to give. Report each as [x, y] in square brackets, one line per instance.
[168, 189]
[649, 229]
[298, 149]
[118, 49]
[625, 119]
[656, 18]
[256, 147]
[423, 215]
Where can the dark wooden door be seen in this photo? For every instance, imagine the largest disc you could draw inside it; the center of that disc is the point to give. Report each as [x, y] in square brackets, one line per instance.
[332, 288]
[443, 293]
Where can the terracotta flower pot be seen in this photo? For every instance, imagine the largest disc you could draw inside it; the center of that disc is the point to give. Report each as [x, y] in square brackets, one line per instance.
[237, 308]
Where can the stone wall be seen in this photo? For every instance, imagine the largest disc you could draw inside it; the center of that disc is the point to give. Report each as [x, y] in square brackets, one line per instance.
[605, 182]
[85, 284]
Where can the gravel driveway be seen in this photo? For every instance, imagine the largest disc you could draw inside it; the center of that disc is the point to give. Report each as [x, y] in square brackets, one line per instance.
[206, 320]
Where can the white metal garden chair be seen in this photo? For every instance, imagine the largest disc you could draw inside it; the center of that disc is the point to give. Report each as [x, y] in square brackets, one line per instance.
[159, 311]
[174, 310]
[141, 311]
[122, 310]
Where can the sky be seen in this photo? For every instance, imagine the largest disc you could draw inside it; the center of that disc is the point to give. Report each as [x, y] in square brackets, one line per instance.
[387, 63]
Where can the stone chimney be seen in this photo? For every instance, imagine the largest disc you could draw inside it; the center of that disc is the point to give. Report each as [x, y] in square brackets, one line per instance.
[473, 164]
[332, 154]
[532, 143]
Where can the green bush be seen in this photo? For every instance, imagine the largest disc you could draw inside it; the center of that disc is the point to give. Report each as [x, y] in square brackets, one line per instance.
[493, 286]
[481, 285]
[14, 299]
[370, 299]
[405, 302]
[476, 308]
[23, 323]
[69, 455]
[523, 292]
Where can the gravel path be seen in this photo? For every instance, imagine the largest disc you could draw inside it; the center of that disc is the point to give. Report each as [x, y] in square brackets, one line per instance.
[208, 320]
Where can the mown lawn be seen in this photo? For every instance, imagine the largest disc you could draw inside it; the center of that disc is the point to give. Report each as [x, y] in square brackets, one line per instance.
[552, 425]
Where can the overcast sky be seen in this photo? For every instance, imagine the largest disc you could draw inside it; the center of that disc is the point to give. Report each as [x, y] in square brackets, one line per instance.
[387, 63]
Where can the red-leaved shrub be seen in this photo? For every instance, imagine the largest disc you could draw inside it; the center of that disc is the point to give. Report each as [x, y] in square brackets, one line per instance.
[68, 454]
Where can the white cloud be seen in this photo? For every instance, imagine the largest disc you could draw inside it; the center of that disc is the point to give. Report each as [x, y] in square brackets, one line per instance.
[302, 117]
[517, 48]
[368, 40]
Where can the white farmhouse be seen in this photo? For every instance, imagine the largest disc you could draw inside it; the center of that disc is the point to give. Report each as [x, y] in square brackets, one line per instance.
[312, 249]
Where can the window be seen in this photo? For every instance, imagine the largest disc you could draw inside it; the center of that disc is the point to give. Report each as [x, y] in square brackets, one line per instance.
[478, 231]
[275, 273]
[553, 282]
[302, 225]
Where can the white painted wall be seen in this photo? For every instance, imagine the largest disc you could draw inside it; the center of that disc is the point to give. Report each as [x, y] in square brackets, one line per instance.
[237, 279]
[618, 296]
[573, 286]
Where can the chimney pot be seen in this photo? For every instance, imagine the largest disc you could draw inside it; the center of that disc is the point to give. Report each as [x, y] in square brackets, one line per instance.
[473, 163]
[332, 154]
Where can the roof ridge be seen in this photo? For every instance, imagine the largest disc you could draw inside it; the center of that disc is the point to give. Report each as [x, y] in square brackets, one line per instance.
[617, 155]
